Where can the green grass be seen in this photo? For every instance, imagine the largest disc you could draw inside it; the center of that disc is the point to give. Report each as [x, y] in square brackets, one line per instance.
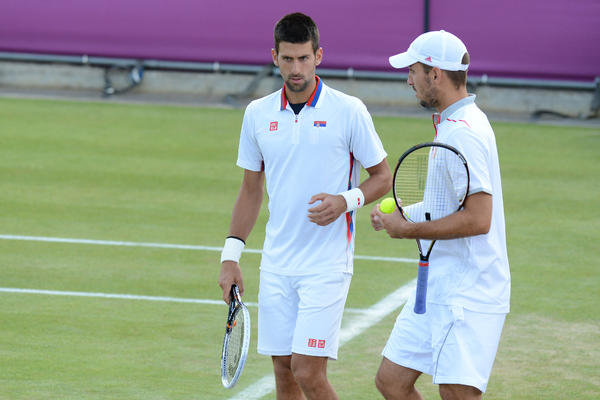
[144, 173]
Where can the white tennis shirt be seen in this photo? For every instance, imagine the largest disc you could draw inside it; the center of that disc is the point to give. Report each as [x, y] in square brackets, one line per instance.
[320, 150]
[472, 272]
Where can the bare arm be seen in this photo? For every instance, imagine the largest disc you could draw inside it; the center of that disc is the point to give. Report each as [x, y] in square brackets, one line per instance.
[243, 218]
[332, 206]
[474, 219]
[378, 183]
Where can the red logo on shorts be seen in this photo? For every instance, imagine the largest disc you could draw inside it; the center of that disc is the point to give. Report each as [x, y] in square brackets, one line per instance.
[316, 343]
[274, 126]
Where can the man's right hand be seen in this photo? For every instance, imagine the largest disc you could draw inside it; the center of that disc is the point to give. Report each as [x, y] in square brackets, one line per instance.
[231, 274]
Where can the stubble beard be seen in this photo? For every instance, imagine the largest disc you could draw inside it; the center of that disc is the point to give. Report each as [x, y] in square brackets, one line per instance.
[294, 87]
[428, 103]
[429, 97]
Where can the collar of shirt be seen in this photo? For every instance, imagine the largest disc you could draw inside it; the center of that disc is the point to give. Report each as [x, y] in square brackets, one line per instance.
[470, 99]
[312, 100]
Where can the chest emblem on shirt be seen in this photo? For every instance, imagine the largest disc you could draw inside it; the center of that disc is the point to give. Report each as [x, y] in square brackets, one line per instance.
[320, 124]
[273, 126]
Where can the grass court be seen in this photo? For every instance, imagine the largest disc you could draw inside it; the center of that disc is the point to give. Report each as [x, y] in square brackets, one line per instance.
[166, 175]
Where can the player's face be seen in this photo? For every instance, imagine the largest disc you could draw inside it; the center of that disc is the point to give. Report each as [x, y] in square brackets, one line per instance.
[421, 83]
[297, 63]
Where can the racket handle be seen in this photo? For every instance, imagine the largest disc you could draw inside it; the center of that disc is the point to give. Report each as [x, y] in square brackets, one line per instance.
[421, 297]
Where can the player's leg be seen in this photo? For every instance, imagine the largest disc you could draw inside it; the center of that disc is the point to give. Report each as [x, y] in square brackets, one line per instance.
[317, 333]
[285, 383]
[407, 354]
[397, 382]
[311, 374]
[459, 392]
[277, 310]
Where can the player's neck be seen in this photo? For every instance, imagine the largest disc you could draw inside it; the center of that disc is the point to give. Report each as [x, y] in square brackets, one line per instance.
[450, 97]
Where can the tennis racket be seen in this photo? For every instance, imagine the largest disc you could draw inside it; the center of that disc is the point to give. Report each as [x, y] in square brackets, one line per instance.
[431, 181]
[236, 341]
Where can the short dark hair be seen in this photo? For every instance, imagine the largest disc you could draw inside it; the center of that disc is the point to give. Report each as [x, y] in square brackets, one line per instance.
[459, 78]
[296, 28]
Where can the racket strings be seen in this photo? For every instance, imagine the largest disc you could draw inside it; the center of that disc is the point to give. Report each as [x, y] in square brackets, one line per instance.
[431, 183]
[411, 178]
[235, 345]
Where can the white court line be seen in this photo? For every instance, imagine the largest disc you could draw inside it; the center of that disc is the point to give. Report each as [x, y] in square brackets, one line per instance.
[355, 327]
[116, 296]
[137, 297]
[169, 246]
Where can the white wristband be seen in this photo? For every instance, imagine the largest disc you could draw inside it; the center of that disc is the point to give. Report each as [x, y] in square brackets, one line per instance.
[354, 199]
[232, 251]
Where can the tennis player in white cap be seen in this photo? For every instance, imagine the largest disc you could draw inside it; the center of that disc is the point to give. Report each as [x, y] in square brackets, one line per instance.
[468, 294]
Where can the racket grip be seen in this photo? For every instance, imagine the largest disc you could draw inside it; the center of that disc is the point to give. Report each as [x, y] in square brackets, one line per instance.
[421, 296]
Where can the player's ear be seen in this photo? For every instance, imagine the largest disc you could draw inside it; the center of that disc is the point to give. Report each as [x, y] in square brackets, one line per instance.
[436, 73]
[319, 56]
[274, 55]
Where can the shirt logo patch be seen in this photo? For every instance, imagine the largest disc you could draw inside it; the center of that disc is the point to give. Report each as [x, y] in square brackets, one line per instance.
[320, 124]
[274, 126]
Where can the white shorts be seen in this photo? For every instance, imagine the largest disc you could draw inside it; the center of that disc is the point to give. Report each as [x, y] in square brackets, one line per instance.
[452, 344]
[301, 314]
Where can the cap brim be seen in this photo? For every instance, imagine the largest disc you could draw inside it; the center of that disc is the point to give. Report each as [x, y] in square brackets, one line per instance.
[402, 60]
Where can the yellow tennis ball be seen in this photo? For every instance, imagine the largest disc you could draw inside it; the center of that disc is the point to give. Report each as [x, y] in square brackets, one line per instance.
[387, 206]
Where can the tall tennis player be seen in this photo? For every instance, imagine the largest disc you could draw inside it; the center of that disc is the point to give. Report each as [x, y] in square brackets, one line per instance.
[468, 287]
[307, 143]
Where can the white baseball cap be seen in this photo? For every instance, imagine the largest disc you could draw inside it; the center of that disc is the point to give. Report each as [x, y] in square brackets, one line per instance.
[437, 49]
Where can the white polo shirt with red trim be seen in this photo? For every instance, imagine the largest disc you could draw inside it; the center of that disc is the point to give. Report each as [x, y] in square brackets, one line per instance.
[320, 150]
[472, 272]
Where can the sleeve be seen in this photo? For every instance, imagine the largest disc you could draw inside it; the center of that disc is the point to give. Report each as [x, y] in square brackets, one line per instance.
[364, 140]
[473, 148]
[249, 154]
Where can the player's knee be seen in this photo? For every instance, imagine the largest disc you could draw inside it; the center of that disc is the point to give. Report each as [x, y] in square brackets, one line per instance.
[393, 387]
[308, 377]
[384, 385]
[380, 383]
[304, 376]
[282, 367]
